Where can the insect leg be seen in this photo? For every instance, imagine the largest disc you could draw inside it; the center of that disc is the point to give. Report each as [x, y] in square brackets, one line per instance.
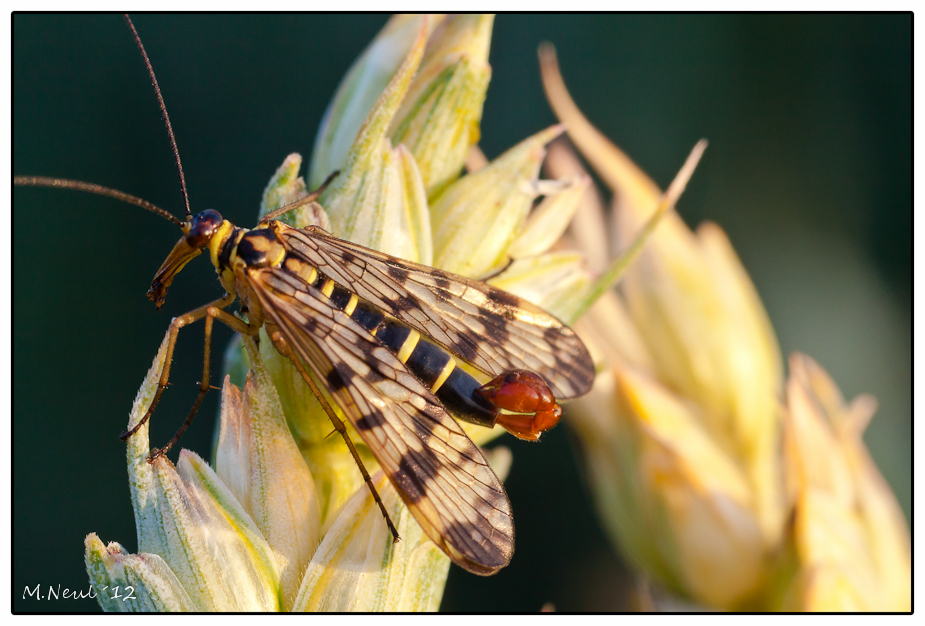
[272, 215]
[175, 326]
[211, 313]
[282, 345]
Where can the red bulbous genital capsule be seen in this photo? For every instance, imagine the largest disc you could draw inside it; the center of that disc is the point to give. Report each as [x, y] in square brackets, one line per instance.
[528, 397]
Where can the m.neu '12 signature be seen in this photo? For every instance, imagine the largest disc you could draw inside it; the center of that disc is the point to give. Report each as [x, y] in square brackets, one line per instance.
[52, 592]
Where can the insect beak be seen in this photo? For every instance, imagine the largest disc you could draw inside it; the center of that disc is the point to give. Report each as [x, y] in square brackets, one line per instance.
[181, 254]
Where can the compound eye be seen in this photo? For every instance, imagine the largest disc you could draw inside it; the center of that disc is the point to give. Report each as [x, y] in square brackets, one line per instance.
[203, 226]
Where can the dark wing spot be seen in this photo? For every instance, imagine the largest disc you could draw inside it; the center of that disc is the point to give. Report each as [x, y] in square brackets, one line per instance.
[464, 348]
[553, 334]
[336, 381]
[399, 274]
[484, 556]
[441, 288]
[410, 479]
[497, 332]
[408, 302]
[373, 419]
[374, 376]
[441, 282]
[504, 297]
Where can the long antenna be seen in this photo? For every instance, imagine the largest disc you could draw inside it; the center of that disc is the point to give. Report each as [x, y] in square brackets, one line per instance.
[44, 181]
[160, 100]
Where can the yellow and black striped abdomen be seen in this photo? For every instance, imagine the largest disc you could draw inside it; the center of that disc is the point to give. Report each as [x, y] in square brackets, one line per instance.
[433, 366]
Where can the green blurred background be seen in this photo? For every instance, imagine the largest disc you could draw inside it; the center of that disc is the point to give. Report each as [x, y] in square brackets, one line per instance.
[809, 171]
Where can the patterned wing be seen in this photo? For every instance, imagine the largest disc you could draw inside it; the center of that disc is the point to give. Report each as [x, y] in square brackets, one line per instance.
[488, 328]
[440, 474]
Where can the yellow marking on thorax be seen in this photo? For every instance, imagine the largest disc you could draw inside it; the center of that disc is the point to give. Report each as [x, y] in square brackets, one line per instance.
[303, 270]
[408, 347]
[233, 260]
[447, 370]
[274, 252]
[215, 243]
[280, 255]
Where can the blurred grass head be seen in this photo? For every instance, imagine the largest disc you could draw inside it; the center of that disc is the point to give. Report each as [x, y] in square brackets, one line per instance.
[681, 436]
